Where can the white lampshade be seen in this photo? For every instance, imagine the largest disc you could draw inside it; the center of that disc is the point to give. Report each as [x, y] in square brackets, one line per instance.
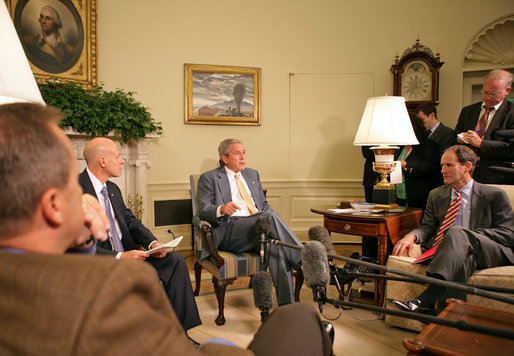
[17, 82]
[385, 122]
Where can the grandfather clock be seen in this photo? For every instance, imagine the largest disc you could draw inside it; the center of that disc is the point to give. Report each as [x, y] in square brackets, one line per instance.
[416, 76]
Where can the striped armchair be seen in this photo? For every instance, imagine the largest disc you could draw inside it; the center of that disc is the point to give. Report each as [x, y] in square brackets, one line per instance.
[225, 267]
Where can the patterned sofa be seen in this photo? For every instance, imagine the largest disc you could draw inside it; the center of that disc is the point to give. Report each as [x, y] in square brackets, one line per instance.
[499, 276]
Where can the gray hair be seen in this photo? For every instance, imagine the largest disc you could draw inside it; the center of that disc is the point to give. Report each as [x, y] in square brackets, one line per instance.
[55, 15]
[224, 147]
[464, 155]
[500, 74]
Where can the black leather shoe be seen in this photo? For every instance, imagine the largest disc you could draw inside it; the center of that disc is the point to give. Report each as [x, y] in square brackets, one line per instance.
[411, 305]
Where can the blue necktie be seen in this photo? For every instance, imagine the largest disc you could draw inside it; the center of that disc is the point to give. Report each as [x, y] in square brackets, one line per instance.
[113, 235]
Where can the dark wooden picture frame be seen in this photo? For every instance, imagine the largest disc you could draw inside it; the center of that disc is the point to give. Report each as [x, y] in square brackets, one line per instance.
[72, 28]
[222, 95]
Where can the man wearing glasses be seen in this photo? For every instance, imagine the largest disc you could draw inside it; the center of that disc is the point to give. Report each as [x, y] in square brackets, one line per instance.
[479, 123]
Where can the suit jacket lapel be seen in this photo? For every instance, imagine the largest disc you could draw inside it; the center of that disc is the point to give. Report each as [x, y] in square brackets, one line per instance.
[87, 185]
[223, 185]
[476, 212]
[497, 118]
[475, 115]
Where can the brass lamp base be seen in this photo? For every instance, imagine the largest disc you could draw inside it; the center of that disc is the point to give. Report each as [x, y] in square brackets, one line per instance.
[384, 192]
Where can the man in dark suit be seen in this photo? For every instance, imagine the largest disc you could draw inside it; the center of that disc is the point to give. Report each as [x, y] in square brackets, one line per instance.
[104, 162]
[222, 204]
[480, 236]
[442, 135]
[53, 303]
[478, 123]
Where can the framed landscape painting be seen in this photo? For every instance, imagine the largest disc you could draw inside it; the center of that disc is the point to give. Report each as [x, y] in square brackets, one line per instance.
[223, 95]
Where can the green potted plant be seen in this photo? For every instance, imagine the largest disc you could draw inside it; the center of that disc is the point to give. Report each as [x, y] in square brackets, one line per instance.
[98, 112]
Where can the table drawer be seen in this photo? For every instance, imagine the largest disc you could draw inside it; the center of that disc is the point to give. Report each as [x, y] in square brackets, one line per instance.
[352, 228]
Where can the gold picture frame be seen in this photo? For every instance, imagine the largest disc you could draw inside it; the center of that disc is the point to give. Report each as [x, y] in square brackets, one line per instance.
[71, 24]
[222, 95]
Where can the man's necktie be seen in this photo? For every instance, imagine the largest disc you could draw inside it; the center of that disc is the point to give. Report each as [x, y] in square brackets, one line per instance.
[113, 232]
[482, 123]
[449, 218]
[245, 196]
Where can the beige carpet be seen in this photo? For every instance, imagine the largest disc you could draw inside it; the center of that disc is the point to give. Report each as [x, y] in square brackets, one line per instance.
[357, 332]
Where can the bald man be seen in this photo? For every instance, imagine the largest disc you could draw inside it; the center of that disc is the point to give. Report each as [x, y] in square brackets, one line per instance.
[128, 233]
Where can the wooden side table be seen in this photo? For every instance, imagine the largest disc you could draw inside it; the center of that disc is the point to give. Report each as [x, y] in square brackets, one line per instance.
[444, 340]
[383, 226]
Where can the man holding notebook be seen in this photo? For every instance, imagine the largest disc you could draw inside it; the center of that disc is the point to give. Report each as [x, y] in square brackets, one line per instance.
[127, 233]
[466, 226]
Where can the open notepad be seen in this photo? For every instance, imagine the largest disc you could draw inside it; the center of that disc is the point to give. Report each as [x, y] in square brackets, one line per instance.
[171, 244]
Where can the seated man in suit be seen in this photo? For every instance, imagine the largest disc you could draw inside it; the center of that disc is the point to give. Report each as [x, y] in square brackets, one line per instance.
[231, 198]
[53, 303]
[479, 122]
[442, 135]
[469, 225]
[128, 233]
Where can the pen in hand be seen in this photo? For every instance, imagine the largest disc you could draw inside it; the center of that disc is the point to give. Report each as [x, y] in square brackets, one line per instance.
[464, 140]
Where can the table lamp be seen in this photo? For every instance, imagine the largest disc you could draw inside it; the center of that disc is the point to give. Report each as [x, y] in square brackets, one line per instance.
[385, 124]
[17, 82]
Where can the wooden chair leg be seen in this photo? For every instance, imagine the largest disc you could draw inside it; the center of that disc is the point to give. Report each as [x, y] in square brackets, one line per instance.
[220, 286]
[298, 276]
[198, 277]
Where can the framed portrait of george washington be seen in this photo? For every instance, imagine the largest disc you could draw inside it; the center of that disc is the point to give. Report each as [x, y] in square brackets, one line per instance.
[222, 95]
[59, 38]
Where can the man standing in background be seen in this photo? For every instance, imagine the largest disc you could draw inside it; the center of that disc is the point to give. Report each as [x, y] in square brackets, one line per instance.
[438, 132]
[479, 122]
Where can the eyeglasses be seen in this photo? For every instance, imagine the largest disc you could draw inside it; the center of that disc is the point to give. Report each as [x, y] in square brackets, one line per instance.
[488, 93]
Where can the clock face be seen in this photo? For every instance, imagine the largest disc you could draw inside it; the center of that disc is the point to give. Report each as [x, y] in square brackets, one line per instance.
[416, 82]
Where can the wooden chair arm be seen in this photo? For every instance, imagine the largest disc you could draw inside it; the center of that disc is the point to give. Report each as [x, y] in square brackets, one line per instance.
[206, 234]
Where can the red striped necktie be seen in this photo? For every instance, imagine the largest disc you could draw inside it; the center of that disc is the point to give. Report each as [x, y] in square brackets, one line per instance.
[449, 218]
[482, 123]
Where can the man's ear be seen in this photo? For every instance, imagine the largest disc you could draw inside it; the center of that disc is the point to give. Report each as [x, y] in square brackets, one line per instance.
[469, 165]
[101, 161]
[224, 159]
[51, 207]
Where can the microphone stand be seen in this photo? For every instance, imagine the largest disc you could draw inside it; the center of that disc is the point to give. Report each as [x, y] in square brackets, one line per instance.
[459, 324]
[469, 289]
[357, 275]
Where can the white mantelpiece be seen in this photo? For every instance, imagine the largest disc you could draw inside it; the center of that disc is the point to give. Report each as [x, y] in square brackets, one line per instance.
[133, 180]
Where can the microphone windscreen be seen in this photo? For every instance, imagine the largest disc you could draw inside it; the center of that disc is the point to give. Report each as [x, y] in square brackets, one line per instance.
[263, 225]
[262, 291]
[315, 264]
[320, 234]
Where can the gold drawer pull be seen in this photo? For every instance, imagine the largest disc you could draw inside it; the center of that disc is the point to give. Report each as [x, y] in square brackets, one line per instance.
[347, 227]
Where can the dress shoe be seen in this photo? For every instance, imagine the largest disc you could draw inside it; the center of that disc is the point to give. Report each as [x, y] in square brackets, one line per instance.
[411, 305]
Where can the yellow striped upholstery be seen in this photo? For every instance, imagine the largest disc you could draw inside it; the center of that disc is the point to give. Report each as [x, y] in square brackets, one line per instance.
[236, 265]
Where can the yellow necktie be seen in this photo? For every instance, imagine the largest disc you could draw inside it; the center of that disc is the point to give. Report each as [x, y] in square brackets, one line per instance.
[244, 194]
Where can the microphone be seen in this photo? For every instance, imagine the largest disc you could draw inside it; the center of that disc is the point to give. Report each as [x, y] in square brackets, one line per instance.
[320, 234]
[316, 270]
[262, 293]
[263, 227]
